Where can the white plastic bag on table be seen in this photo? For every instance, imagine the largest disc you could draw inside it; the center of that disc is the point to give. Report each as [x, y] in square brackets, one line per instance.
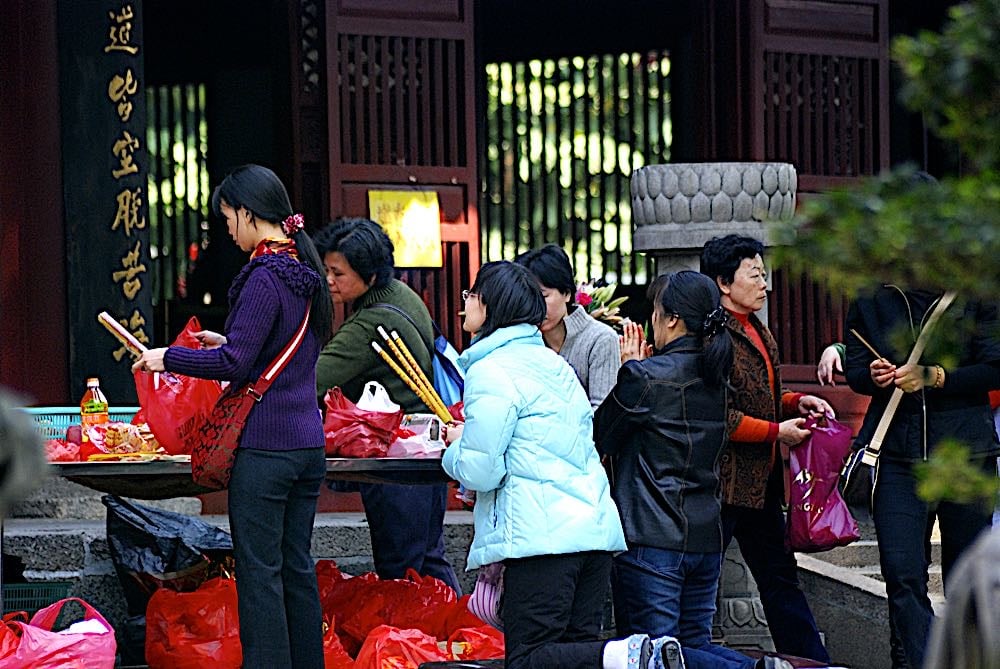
[376, 398]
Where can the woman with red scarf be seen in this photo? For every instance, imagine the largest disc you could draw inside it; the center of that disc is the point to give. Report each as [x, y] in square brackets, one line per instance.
[280, 463]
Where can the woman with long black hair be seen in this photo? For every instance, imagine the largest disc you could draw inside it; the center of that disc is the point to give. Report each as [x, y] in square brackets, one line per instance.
[280, 463]
[664, 427]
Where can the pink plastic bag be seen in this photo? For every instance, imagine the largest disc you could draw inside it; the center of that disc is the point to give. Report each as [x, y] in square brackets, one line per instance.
[485, 600]
[818, 517]
[41, 648]
[173, 409]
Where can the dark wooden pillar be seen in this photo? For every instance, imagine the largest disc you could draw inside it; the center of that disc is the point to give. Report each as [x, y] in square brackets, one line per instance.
[34, 356]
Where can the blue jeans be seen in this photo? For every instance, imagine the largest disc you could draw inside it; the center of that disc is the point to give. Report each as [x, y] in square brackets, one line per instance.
[406, 523]
[903, 525]
[272, 506]
[664, 592]
[761, 536]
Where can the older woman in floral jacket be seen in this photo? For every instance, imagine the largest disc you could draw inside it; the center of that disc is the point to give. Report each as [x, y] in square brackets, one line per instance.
[761, 417]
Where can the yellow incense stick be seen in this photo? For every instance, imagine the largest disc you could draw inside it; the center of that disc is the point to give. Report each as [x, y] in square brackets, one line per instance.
[419, 392]
[415, 373]
[398, 347]
[413, 362]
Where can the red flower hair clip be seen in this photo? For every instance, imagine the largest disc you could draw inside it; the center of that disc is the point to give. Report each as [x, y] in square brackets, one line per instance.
[293, 224]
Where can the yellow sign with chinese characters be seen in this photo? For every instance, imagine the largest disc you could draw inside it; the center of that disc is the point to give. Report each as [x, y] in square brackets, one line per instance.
[412, 219]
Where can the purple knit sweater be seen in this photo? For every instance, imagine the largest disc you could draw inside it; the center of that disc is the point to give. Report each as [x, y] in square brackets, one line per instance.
[267, 301]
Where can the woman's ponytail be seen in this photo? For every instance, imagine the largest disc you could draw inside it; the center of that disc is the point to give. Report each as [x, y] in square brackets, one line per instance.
[694, 298]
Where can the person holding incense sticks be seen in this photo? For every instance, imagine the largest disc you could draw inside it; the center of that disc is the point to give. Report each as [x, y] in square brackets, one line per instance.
[945, 398]
[280, 463]
[406, 522]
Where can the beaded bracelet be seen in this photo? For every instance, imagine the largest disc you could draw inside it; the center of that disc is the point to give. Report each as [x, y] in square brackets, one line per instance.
[938, 376]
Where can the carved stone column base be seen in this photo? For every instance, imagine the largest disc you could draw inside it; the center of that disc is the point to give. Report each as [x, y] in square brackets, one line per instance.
[739, 616]
[740, 623]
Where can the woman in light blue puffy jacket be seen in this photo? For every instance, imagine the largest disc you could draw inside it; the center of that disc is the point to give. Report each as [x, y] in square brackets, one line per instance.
[543, 503]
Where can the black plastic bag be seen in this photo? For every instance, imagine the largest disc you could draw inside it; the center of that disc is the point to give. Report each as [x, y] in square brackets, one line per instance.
[152, 548]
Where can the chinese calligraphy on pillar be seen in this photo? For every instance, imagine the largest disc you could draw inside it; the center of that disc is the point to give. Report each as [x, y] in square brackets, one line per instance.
[105, 168]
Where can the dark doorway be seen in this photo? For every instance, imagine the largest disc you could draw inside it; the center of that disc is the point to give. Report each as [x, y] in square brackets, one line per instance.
[218, 97]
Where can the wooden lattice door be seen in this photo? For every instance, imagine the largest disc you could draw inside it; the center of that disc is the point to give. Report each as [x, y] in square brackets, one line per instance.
[401, 115]
[819, 99]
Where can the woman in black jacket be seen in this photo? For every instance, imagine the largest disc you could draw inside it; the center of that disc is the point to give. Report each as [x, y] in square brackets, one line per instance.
[663, 426]
[946, 397]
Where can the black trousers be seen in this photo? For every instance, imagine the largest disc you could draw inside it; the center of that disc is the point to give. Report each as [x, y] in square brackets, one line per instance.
[552, 610]
[761, 536]
[407, 530]
[272, 506]
[903, 525]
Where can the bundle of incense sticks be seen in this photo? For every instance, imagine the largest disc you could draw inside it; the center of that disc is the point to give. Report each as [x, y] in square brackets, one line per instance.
[128, 340]
[134, 346]
[405, 366]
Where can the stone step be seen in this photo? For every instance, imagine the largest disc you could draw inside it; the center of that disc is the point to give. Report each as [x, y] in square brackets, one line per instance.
[58, 498]
[77, 551]
[864, 553]
[850, 608]
[935, 580]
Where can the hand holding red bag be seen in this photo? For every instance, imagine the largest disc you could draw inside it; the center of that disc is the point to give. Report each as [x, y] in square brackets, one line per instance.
[174, 409]
[354, 433]
[818, 517]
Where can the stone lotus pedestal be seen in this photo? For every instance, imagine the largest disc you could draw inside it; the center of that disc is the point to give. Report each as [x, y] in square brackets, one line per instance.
[676, 208]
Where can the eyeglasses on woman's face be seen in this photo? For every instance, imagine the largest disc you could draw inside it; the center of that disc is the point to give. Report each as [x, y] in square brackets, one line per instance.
[466, 294]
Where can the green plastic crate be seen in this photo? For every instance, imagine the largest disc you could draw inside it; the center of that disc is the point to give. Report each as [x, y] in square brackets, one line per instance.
[33, 596]
[53, 421]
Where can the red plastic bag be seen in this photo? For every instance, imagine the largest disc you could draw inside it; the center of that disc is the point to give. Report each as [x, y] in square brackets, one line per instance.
[353, 433]
[10, 634]
[818, 517]
[391, 648]
[424, 597]
[410, 603]
[454, 617]
[476, 643]
[341, 599]
[328, 577]
[41, 648]
[334, 655]
[193, 630]
[176, 405]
